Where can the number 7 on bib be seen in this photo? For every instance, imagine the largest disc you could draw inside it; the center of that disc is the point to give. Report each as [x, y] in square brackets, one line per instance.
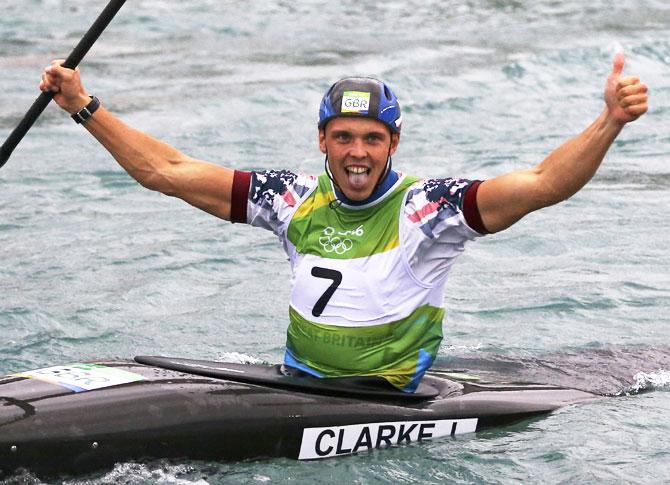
[329, 274]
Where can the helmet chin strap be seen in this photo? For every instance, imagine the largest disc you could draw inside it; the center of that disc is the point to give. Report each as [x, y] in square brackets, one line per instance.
[334, 204]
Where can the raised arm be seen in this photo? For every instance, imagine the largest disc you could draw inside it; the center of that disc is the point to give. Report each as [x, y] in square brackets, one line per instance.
[504, 200]
[153, 163]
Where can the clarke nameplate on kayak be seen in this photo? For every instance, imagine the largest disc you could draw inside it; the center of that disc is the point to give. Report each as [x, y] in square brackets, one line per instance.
[343, 440]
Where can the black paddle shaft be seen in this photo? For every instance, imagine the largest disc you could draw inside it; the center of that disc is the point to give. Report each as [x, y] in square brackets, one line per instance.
[71, 62]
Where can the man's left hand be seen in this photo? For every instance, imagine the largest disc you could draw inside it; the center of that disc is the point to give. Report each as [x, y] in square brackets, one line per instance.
[625, 96]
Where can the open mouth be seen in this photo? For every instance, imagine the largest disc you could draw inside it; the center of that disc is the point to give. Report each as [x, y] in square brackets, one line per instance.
[357, 176]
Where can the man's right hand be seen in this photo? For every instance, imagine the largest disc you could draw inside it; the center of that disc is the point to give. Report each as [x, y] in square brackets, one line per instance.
[66, 85]
[153, 163]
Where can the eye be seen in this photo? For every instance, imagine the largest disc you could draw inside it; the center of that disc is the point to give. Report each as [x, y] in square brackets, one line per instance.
[373, 137]
[343, 137]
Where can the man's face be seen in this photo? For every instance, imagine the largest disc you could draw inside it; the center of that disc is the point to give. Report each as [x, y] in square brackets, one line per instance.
[357, 151]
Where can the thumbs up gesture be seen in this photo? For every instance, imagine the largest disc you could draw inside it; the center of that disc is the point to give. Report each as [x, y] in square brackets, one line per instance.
[625, 96]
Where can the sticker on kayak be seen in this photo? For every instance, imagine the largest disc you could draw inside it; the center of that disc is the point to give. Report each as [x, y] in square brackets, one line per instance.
[82, 377]
[343, 440]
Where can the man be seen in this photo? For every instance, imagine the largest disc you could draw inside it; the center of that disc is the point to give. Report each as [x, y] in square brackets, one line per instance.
[370, 247]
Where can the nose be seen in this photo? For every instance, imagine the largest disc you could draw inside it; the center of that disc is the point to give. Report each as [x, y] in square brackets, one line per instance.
[357, 149]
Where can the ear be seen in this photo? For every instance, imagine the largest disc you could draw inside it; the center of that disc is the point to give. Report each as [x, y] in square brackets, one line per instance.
[395, 139]
[322, 140]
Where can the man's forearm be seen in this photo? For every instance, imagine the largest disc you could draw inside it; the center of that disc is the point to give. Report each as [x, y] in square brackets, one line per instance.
[569, 167]
[504, 200]
[161, 167]
[145, 158]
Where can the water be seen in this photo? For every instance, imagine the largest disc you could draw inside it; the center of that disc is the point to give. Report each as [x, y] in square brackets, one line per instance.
[92, 265]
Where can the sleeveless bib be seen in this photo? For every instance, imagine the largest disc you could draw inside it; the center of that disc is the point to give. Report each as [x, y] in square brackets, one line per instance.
[356, 307]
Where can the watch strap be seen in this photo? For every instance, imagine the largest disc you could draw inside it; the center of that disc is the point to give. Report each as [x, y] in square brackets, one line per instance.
[87, 111]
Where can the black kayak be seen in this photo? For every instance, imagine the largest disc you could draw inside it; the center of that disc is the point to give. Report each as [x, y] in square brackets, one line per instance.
[80, 417]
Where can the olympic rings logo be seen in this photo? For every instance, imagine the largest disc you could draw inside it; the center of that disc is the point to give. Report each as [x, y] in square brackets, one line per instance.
[335, 241]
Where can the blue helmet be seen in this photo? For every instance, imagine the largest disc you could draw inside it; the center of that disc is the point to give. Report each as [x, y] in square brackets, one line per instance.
[361, 96]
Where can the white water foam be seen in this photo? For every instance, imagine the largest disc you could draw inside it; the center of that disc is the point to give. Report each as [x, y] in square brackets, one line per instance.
[239, 358]
[647, 381]
[155, 472]
[449, 348]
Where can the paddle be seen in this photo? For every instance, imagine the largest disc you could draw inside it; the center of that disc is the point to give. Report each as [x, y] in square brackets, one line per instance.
[71, 62]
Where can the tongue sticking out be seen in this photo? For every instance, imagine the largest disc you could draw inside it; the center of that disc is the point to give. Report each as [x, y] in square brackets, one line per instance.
[358, 180]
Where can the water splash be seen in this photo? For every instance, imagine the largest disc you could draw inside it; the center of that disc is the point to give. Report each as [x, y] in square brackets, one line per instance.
[644, 382]
[239, 358]
[158, 471]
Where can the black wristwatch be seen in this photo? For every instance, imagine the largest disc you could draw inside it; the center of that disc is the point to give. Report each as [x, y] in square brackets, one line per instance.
[87, 111]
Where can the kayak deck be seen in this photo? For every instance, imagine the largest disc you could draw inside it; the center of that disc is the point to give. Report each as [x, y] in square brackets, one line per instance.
[81, 417]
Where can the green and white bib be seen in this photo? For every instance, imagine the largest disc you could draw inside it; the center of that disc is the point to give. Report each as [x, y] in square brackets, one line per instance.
[361, 301]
